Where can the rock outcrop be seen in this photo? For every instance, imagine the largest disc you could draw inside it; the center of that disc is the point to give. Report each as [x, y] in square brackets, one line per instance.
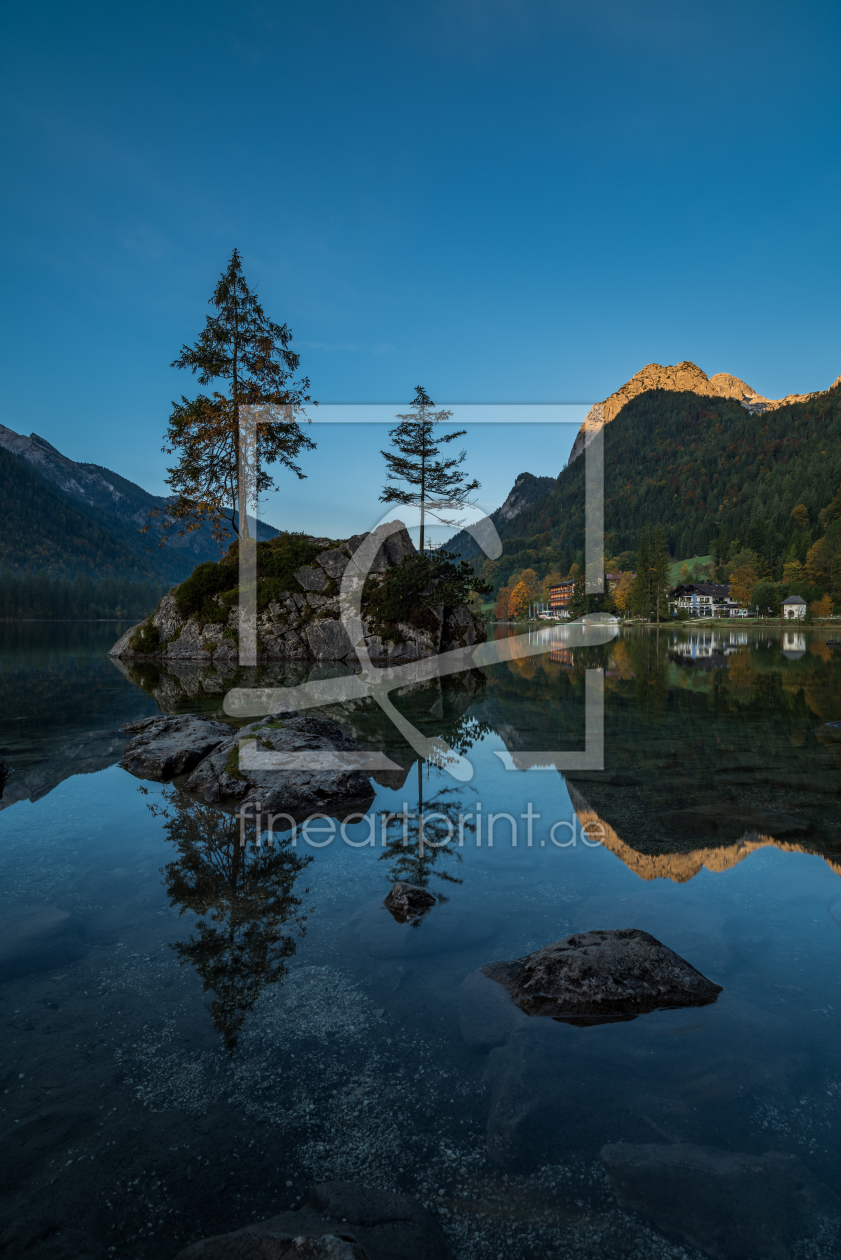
[286, 762]
[682, 376]
[339, 1221]
[601, 976]
[304, 621]
[407, 902]
[730, 1205]
[5, 771]
[166, 746]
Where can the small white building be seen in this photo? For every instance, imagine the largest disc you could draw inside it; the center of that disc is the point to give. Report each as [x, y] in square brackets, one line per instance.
[794, 608]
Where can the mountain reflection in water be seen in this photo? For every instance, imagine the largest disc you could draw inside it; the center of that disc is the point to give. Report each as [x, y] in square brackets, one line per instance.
[716, 742]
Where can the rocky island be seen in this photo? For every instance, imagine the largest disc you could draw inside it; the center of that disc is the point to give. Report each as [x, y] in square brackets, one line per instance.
[412, 606]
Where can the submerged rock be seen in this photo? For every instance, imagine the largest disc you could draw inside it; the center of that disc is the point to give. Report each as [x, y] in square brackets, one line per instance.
[596, 977]
[35, 938]
[165, 746]
[409, 901]
[266, 1241]
[340, 1221]
[730, 1205]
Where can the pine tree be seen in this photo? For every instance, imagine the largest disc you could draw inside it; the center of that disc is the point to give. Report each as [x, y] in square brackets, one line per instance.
[241, 346]
[660, 561]
[436, 486]
[579, 605]
[641, 592]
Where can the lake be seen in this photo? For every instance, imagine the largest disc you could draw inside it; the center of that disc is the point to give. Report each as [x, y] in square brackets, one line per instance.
[195, 1033]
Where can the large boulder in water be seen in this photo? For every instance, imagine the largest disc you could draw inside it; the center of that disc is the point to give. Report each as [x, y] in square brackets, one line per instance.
[595, 977]
[163, 747]
[285, 762]
[288, 763]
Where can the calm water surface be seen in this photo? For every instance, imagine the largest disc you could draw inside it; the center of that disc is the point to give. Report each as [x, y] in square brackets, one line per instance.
[194, 1034]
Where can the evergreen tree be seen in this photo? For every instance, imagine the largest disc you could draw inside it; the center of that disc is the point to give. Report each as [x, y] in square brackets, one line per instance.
[641, 591]
[660, 583]
[436, 486]
[579, 605]
[241, 346]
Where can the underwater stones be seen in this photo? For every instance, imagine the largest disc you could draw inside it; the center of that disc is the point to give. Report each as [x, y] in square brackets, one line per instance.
[593, 977]
[265, 1241]
[451, 928]
[339, 1221]
[487, 1016]
[408, 901]
[166, 746]
[730, 1205]
[34, 938]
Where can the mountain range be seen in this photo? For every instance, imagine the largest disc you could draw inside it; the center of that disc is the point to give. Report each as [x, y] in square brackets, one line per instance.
[683, 377]
[713, 461]
[65, 517]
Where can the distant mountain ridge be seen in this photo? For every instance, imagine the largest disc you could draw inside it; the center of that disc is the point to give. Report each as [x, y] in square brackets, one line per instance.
[683, 377]
[527, 489]
[65, 516]
[713, 472]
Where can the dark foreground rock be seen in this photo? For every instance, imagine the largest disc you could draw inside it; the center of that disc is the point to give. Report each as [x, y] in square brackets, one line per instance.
[166, 746]
[288, 763]
[340, 1221]
[594, 977]
[409, 901]
[281, 764]
[731, 1206]
[5, 771]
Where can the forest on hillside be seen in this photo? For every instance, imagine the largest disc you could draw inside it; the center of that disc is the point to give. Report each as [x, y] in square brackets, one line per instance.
[41, 597]
[718, 479]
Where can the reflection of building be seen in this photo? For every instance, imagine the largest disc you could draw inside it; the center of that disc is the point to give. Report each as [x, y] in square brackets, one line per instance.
[706, 599]
[708, 649]
[561, 656]
[560, 597]
[794, 607]
[794, 645]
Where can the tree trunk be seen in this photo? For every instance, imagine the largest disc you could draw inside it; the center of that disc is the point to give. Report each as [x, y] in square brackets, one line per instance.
[242, 497]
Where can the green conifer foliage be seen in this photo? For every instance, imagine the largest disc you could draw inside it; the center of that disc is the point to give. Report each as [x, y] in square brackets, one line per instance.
[436, 486]
[249, 352]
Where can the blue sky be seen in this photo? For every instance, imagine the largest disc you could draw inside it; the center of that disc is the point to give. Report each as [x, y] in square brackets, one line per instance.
[507, 202]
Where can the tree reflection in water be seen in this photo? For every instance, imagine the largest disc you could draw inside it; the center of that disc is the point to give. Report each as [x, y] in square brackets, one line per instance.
[247, 915]
[418, 843]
